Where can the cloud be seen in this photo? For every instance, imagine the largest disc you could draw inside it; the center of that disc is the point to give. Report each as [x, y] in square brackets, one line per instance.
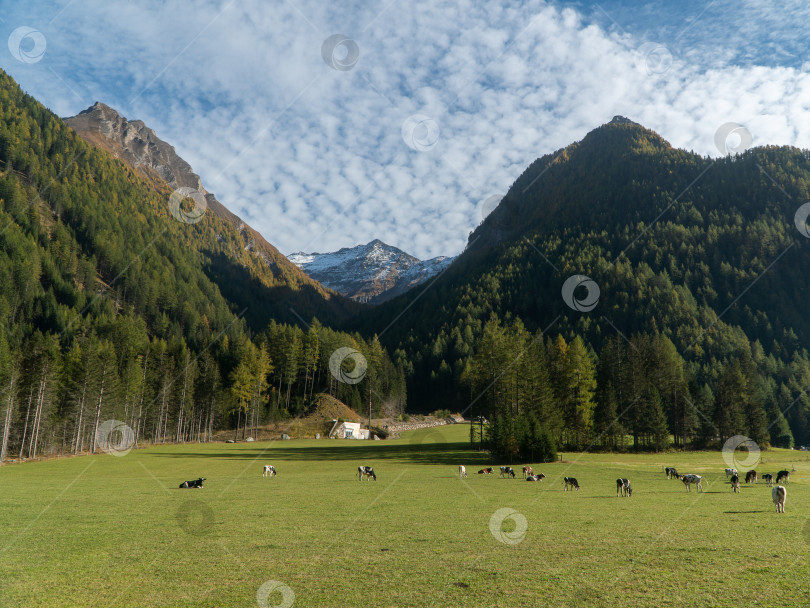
[314, 157]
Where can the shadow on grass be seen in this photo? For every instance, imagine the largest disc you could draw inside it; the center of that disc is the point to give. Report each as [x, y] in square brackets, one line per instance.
[737, 512]
[417, 453]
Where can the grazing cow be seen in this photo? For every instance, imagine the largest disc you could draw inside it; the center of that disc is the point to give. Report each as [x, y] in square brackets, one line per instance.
[768, 479]
[527, 471]
[688, 480]
[735, 483]
[570, 482]
[623, 487]
[671, 473]
[730, 472]
[779, 495]
[462, 471]
[197, 483]
[366, 472]
[488, 471]
[783, 476]
[751, 477]
[507, 472]
[270, 470]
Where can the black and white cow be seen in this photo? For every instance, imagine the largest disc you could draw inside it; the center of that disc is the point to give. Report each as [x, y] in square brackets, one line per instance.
[751, 476]
[507, 472]
[366, 472]
[270, 470]
[671, 473]
[623, 487]
[570, 482]
[783, 476]
[768, 479]
[197, 483]
[538, 477]
[735, 483]
[730, 472]
[688, 480]
[779, 495]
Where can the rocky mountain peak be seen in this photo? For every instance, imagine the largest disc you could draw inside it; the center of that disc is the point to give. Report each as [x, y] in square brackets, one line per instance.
[370, 273]
[139, 146]
[134, 143]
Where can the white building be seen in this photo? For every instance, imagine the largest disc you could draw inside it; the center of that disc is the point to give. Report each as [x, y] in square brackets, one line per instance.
[348, 430]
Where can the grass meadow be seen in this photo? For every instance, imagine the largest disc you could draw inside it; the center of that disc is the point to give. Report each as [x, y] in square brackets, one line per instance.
[108, 531]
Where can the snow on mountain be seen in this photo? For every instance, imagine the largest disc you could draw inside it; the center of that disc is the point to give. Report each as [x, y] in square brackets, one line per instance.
[369, 273]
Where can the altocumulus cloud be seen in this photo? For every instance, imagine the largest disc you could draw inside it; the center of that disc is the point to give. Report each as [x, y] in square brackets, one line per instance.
[315, 157]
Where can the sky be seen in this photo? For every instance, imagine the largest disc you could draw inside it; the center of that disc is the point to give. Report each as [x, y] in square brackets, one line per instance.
[327, 125]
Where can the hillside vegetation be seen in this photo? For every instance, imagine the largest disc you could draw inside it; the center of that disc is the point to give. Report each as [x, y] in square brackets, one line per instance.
[702, 277]
[112, 308]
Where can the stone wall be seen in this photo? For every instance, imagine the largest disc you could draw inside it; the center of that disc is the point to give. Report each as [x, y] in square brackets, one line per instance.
[398, 427]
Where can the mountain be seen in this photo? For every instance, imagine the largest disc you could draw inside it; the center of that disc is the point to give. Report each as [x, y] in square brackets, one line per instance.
[118, 303]
[269, 285]
[371, 273]
[705, 252]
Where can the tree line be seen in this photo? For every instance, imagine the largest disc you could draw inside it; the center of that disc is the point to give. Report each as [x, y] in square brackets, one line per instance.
[54, 398]
[538, 393]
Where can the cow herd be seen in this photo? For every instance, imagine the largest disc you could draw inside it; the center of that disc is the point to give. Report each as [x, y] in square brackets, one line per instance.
[623, 487]
[778, 493]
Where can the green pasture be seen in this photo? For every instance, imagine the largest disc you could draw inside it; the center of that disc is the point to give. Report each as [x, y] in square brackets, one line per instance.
[108, 531]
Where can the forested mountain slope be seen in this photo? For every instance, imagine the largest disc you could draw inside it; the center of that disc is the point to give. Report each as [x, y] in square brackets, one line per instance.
[702, 252]
[268, 284]
[112, 307]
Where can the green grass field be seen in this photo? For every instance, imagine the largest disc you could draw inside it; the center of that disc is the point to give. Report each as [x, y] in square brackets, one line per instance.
[109, 531]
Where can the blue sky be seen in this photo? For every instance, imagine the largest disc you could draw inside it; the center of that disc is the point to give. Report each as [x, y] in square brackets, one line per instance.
[422, 111]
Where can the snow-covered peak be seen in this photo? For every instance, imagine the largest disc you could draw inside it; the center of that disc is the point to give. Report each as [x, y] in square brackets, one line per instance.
[373, 272]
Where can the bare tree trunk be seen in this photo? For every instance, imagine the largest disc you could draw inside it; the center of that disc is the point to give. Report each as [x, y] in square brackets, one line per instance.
[181, 410]
[27, 413]
[7, 421]
[159, 427]
[32, 453]
[139, 420]
[212, 405]
[164, 418]
[77, 442]
[178, 434]
[98, 410]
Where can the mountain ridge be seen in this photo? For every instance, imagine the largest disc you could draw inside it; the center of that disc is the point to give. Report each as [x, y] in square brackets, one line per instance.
[370, 273]
[137, 145]
[702, 251]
